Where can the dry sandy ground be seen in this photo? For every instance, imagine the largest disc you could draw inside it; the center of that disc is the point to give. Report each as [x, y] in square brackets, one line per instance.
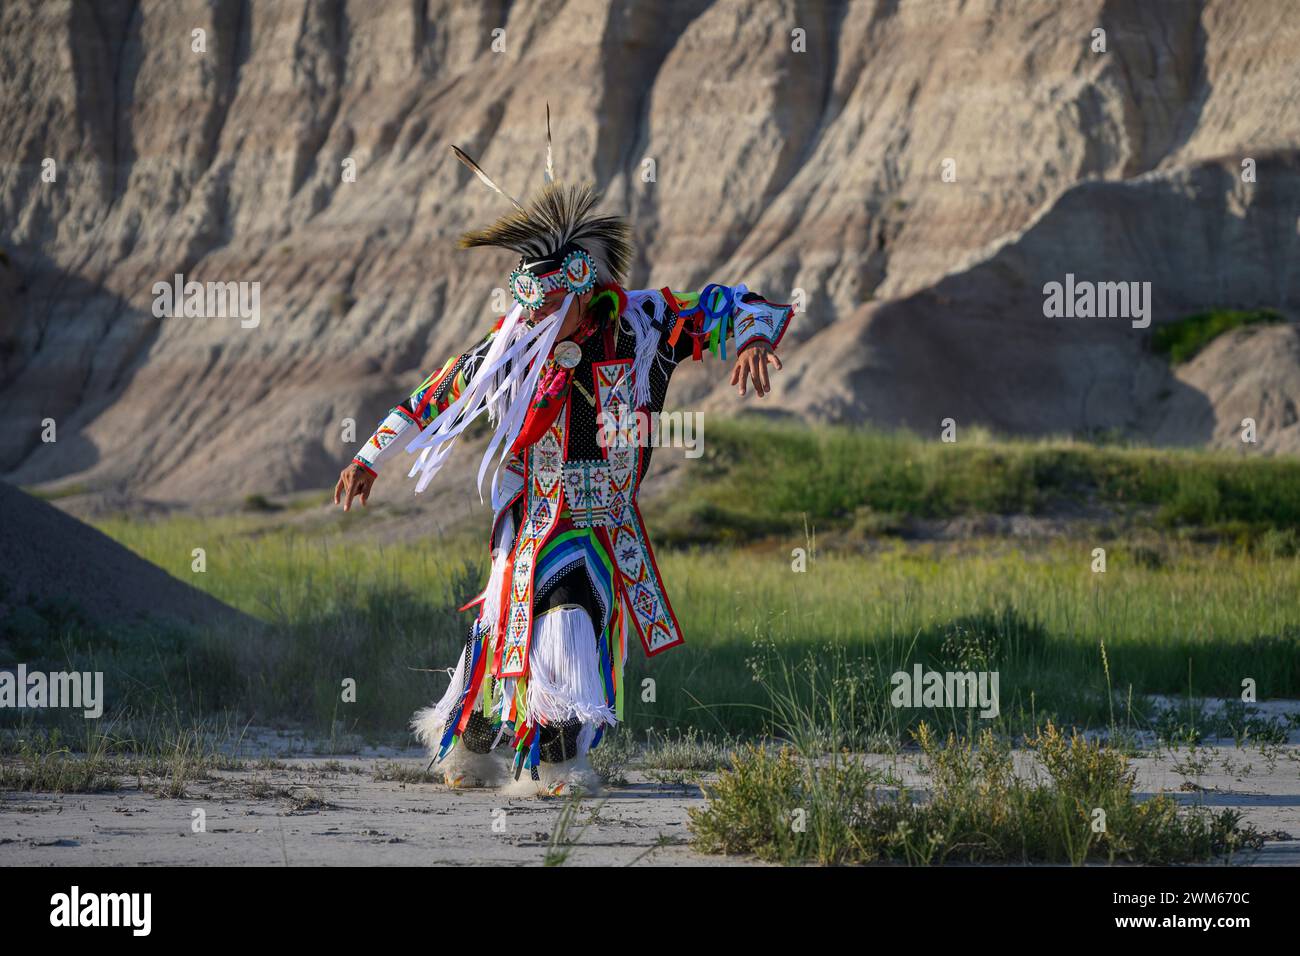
[332, 810]
[323, 811]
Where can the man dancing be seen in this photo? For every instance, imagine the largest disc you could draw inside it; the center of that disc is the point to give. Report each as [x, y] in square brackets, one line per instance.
[562, 376]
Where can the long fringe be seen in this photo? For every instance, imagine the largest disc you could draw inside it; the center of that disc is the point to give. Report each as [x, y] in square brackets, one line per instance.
[646, 330]
[491, 609]
[503, 388]
[564, 670]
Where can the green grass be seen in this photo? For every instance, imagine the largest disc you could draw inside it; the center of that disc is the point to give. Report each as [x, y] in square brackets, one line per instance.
[164, 758]
[1180, 610]
[385, 616]
[761, 479]
[1181, 340]
[334, 611]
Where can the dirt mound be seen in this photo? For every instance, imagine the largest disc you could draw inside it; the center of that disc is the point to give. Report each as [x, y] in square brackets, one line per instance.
[1252, 372]
[56, 566]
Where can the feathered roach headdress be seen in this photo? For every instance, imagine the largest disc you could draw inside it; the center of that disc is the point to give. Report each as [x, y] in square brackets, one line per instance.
[562, 244]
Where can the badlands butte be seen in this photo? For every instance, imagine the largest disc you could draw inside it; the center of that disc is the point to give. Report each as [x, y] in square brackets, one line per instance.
[791, 145]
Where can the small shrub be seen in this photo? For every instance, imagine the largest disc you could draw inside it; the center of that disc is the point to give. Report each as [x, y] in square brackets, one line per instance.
[830, 808]
[1182, 340]
[611, 757]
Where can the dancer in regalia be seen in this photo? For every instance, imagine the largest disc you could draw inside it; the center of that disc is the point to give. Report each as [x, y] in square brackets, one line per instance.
[573, 578]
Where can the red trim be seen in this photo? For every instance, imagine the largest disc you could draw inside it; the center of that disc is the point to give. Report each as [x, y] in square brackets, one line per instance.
[507, 585]
[755, 340]
[471, 698]
[507, 579]
[659, 580]
[365, 467]
[595, 382]
[503, 612]
[784, 324]
[607, 538]
[492, 534]
[672, 299]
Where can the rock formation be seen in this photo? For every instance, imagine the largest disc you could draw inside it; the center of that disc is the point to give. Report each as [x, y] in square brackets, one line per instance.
[914, 171]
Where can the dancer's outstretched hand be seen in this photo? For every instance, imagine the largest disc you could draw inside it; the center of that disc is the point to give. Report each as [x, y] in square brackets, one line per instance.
[752, 364]
[354, 482]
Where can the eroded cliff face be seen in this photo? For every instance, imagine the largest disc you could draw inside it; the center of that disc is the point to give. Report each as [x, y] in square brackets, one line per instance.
[821, 171]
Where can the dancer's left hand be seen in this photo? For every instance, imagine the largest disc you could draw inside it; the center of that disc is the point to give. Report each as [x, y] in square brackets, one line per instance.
[753, 363]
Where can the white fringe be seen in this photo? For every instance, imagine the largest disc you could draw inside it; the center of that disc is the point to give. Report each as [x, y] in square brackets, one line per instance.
[511, 418]
[503, 388]
[429, 723]
[464, 768]
[646, 331]
[490, 610]
[564, 669]
[574, 774]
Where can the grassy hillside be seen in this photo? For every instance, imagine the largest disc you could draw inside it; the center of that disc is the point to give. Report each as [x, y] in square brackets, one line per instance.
[758, 478]
[1198, 592]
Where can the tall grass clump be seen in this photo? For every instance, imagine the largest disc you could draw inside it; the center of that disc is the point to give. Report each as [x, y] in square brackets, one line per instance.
[164, 757]
[814, 797]
[1078, 803]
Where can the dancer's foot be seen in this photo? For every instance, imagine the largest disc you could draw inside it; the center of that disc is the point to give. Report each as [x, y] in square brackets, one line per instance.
[567, 778]
[463, 769]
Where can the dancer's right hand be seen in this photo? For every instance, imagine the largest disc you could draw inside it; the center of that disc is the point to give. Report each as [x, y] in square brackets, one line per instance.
[354, 482]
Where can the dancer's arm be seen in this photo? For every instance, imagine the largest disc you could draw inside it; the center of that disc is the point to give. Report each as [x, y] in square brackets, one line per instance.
[429, 399]
[705, 321]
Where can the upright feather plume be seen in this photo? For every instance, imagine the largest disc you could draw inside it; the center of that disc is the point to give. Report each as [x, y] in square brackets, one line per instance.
[550, 162]
[478, 171]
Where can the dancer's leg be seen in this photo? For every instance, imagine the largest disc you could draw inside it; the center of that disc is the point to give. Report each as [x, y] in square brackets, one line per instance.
[470, 762]
[566, 696]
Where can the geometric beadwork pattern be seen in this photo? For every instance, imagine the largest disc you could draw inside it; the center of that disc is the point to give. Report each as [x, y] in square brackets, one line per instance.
[544, 492]
[587, 492]
[639, 580]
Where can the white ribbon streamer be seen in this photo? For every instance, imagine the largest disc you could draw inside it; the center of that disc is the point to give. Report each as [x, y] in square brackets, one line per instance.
[513, 419]
[510, 366]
